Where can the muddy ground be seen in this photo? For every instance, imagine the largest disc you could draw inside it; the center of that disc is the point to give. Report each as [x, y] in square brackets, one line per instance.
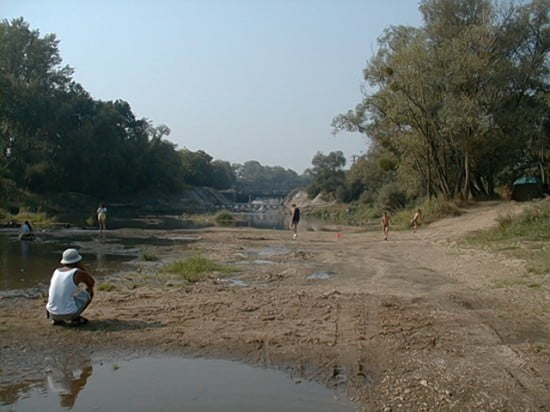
[417, 322]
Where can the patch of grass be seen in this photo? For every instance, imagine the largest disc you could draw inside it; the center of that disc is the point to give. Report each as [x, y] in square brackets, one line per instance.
[106, 287]
[512, 282]
[360, 214]
[533, 224]
[354, 214]
[223, 216]
[148, 257]
[431, 210]
[35, 218]
[525, 237]
[195, 268]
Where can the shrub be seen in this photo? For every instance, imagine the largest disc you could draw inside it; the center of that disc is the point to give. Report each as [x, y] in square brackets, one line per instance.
[223, 216]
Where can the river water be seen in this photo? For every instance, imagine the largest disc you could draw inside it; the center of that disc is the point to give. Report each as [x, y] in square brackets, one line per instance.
[28, 264]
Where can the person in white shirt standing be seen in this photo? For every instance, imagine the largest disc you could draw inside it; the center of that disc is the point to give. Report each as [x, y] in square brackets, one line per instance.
[66, 301]
[102, 216]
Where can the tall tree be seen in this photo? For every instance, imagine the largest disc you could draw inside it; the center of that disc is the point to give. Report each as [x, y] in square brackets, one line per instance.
[455, 100]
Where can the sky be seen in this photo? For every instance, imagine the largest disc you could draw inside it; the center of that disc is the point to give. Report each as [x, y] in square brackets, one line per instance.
[240, 79]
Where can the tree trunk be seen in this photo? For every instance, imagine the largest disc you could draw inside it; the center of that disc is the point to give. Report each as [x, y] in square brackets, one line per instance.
[429, 179]
[466, 186]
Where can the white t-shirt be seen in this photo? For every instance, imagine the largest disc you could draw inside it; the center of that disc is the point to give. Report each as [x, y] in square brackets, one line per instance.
[61, 293]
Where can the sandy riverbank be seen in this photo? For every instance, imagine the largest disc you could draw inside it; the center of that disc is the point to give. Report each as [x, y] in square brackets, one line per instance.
[415, 322]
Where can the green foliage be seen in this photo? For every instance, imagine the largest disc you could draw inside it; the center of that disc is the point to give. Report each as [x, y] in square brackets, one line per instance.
[532, 225]
[106, 287]
[443, 105]
[355, 214]
[148, 257]
[54, 137]
[253, 178]
[327, 173]
[391, 198]
[195, 268]
[525, 236]
[40, 219]
[223, 216]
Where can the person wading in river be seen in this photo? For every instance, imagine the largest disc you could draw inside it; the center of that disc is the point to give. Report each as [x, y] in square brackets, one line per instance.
[66, 301]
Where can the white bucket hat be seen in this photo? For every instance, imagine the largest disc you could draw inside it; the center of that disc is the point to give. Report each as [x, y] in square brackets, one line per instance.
[70, 256]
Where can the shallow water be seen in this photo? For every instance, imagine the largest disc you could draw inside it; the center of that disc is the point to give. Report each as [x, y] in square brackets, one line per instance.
[322, 275]
[167, 384]
[29, 264]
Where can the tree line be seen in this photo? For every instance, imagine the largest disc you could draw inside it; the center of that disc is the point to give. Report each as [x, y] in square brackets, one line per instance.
[54, 137]
[454, 108]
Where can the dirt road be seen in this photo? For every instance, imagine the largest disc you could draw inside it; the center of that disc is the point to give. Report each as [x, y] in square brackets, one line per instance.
[413, 323]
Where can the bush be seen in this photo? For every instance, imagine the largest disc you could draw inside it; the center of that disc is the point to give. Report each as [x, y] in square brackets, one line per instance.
[438, 208]
[390, 197]
[223, 216]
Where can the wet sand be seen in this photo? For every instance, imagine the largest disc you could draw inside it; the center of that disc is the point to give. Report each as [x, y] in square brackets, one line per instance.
[414, 323]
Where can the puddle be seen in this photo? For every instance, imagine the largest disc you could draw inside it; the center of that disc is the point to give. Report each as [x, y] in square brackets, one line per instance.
[235, 282]
[169, 384]
[262, 262]
[273, 251]
[323, 275]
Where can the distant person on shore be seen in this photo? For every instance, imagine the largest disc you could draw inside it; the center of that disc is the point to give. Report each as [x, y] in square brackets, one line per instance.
[385, 221]
[102, 217]
[26, 231]
[295, 219]
[415, 221]
[66, 301]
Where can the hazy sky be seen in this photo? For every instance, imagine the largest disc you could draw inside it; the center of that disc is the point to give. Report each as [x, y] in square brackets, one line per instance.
[240, 79]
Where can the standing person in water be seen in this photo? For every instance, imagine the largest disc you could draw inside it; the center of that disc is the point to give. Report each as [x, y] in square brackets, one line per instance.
[102, 216]
[26, 231]
[295, 219]
[66, 301]
[385, 224]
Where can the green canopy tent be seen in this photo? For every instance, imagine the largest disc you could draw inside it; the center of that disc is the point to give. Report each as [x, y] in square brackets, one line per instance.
[526, 188]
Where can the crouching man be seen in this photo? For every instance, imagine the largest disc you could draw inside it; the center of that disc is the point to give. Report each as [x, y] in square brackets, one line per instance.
[66, 301]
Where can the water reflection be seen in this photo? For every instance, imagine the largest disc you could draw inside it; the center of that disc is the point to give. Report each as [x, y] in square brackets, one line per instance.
[67, 379]
[173, 384]
[26, 264]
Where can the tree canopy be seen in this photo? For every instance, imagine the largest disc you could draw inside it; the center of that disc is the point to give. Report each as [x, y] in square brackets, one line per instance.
[54, 137]
[459, 105]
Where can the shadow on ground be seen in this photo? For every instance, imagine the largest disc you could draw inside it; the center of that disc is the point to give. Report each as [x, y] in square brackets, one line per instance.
[118, 325]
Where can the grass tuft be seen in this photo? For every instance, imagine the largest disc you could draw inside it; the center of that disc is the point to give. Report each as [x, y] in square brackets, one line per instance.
[148, 257]
[195, 268]
[35, 218]
[106, 287]
[525, 237]
[224, 217]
